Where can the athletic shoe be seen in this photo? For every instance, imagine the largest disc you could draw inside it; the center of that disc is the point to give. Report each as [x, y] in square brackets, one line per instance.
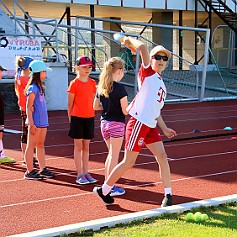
[7, 160]
[167, 201]
[90, 178]
[35, 163]
[108, 200]
[33, 175]
[46, 173]
[116, 191]
[81, 179]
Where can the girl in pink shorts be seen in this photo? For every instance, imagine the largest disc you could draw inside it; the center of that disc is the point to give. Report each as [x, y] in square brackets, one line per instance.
[111, 98]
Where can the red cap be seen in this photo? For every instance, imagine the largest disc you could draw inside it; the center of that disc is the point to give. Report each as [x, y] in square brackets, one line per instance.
[84, 61]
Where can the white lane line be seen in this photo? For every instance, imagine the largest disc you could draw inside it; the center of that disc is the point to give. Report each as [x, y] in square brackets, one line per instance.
[6, 130]
[126, 186]
[96, 225]
[136, 165]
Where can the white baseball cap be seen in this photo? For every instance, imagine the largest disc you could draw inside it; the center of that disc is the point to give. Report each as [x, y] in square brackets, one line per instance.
[160, 48]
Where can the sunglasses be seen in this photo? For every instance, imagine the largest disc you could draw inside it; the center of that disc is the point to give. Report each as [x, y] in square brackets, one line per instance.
[159, 57]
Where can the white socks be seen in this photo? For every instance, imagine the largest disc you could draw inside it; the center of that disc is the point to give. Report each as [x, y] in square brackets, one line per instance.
[2, 154]
[106, 189]
[168, 191]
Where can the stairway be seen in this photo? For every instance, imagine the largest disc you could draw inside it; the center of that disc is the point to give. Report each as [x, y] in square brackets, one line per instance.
[7, 26]
[228, 15]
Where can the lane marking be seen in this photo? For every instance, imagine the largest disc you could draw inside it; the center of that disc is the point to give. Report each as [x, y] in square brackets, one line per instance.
[6, 130]
[126, 186]
[138, 164]
[109, 222]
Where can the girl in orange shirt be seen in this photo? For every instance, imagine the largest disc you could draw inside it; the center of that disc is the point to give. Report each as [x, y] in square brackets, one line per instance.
[81, 93]
[21, 80]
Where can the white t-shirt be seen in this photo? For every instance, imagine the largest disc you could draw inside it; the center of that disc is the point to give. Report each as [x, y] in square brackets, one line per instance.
[147, 104]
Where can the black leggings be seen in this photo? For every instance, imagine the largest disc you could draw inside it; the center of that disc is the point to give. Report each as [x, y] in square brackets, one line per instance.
[24, 127]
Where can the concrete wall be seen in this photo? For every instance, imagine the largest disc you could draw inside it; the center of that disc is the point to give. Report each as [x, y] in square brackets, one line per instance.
[56, 85]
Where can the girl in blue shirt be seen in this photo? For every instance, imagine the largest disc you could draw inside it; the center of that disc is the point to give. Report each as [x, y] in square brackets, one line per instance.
[37, 120]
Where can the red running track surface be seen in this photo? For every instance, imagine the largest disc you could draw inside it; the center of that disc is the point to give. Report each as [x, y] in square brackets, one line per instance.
[201, 169]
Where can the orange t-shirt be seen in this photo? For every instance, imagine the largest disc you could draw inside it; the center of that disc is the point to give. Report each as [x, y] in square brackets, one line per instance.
[84, 97]
[21, 85]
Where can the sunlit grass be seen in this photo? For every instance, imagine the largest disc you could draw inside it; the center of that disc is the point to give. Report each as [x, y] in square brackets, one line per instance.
[222, 222]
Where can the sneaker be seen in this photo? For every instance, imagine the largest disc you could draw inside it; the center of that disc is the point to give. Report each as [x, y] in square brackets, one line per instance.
[33, 175]
[90, 178]
[7, 160]
[46, 173]
[167, 201]
[81, 179]
[108, 200]
[35, 163]
[116, 191]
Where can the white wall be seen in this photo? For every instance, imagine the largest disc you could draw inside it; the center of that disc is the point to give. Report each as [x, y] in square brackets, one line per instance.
[56, 85]
[133, 3]
[176, 5]
[155, 4]
[110, 3]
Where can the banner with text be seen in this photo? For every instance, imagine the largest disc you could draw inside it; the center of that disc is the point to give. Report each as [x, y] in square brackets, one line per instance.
[10, 47]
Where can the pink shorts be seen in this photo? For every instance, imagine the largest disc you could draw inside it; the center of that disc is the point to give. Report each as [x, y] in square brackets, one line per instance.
[138, 135]
[112, 129]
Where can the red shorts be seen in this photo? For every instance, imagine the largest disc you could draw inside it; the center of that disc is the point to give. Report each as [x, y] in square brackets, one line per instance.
[138, 135]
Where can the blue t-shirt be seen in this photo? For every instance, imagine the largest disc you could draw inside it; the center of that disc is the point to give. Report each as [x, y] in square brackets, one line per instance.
[40, 114]
[112, 110]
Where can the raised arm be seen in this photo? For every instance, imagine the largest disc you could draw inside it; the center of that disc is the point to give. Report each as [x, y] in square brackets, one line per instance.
[139, 45]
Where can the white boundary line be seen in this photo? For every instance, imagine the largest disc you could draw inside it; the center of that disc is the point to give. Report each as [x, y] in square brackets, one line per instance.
[126, 218]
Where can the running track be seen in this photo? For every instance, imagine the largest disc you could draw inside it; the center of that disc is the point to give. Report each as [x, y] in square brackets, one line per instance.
[201, 169]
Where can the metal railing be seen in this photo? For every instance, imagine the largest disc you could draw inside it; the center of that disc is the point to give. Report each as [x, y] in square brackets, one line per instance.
[183, 79]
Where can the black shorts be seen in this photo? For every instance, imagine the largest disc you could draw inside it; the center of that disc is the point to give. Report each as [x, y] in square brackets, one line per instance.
[81, 128]
[1, 113]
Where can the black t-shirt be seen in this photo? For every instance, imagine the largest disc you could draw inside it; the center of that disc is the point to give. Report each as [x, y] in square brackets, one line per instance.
[112, 110]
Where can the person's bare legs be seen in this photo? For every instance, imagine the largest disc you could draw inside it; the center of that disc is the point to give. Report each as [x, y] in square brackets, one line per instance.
[37, 140]
[104, 192]
[40, 149]
[118, 171]
[114, 147]
[158, 150]
[85, 155]
[23, 148]
[2, 154]
[77, 155]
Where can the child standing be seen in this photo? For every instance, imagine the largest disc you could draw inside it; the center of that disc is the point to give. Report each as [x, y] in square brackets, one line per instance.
[81, 93]
[21, 80]
[3, 158]
[112, 99]
[141, 129]
[37, 120]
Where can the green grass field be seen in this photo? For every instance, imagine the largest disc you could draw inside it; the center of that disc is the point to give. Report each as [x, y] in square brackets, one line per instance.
[222, 222]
